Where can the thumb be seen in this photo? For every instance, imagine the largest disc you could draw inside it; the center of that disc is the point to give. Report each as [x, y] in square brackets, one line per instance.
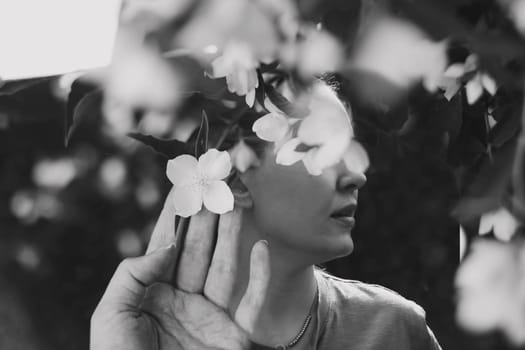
[128, 285]
[253, 299]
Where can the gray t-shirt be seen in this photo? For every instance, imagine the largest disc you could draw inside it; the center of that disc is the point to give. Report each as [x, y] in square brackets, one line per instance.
[360, 316]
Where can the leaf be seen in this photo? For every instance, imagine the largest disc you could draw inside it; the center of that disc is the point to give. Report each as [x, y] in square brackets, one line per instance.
[260, 92]
[290, 109]
[88, 106]
[14, 86]
[79, 90]
[201, 143]
[168, 148]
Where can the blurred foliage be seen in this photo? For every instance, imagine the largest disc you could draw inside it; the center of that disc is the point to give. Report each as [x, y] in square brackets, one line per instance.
[434, 163]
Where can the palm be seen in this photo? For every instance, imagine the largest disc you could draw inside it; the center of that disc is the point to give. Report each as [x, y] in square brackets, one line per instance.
[140, 311]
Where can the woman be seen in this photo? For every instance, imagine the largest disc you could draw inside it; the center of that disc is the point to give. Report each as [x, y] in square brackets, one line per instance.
[258, 288]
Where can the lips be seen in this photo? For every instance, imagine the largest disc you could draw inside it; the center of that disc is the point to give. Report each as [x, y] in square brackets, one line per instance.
[345, 216]
[346, 211]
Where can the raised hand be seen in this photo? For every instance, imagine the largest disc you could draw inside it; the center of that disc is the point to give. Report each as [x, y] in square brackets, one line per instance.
[142, 310]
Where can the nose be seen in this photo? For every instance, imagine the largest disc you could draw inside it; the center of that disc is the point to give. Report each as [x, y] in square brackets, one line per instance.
[349, 180]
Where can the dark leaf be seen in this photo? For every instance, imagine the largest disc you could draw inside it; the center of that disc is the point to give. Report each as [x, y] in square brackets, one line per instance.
[260, 92]
[79, 90]
[509, 120]
[12, 87]
[201, 143]
[88, 107]
[489, 184]
[168, 148]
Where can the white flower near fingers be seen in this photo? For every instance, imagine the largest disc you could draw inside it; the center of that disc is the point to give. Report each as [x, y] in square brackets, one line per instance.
[243, 157]
[238, 65]
[198, 182]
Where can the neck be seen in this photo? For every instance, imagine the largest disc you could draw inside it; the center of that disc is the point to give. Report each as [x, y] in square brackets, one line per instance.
[290, 293]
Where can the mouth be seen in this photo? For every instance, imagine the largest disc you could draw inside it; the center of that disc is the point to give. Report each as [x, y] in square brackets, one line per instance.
[345, 215]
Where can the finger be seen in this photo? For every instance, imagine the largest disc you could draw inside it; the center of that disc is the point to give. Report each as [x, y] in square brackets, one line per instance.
[223, 267]
[128, 285]
[253, 299]
[164, 231]
[196, 252]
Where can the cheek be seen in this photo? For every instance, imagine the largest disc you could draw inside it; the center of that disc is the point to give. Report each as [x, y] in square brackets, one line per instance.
[289, 202]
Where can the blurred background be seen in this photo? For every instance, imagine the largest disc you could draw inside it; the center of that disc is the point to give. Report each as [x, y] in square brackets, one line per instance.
[435, 88]
[71, 214]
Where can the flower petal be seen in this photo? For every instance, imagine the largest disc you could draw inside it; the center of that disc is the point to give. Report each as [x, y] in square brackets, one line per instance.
[474, 90]
[220, 67]
[355, 158]
[311, 163]
[187, 200]
[218, 197]
[214, 165]
[271, 127]
[243, 157]
[455, 70]
[488, 83]
[287, 154]
[250, 97]
[182, 171]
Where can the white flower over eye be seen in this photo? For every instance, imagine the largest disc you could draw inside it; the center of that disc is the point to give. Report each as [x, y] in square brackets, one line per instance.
[238, 65]
[198, 182]
[271, 127]
[326, 132]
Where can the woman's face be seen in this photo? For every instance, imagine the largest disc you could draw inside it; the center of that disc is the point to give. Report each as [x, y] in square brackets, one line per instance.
[310, 215]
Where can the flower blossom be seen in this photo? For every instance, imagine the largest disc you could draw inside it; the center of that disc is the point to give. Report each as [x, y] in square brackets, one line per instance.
[401, 53]
[451, 80]
[501, 221]
[491, 287]
[325, 133]
[273, 126]
[243, 157]
[198, 182]
[238, 64]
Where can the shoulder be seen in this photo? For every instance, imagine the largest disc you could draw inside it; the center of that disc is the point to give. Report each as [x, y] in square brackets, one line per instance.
[374, 312]
[369, 296]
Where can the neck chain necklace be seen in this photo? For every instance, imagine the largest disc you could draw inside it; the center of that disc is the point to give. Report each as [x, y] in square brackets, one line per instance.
[306, 323]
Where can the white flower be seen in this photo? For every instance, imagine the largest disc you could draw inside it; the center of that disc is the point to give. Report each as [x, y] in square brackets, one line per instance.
[326, 131]
[238, 64]
[200, 182]
[55, 174]
[271, 127]
[491, 288]
[451, 80]
[318, 53]
[151, 15]
[356, 158]
[243, 157]
[138, 78]
[401, 53]
[462, 242]
[501, 221]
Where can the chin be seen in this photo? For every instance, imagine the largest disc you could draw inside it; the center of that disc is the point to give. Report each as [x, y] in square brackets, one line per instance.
[338, 248]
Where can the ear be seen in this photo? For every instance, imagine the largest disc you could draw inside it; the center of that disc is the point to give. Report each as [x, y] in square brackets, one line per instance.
[241, 194]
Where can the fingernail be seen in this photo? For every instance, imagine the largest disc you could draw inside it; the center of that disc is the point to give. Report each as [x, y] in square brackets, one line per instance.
[264, 242]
